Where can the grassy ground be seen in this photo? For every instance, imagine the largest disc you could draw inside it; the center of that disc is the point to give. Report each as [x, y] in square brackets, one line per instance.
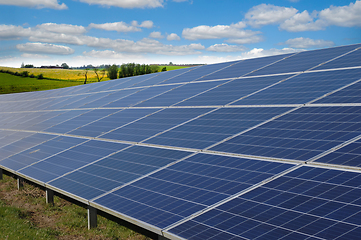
[25, 215]
[13, 84]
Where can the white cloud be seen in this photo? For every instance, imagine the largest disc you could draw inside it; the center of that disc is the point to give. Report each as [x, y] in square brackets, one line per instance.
[44, 48]
[173, 37]
[266, 14]
[127, 3]
[344, 16]
[62, 28]
[116, 26]
[34, 56]
[157, 35]
[301, 22]
[146, 24]
[225, 48]
[53, 4]
[232, 31]
[13, 32]
[308, 43]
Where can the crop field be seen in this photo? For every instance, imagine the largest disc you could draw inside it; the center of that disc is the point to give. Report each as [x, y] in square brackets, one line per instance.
[14, 84]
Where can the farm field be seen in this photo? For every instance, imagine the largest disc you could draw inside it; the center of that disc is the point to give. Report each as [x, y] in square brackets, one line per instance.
[29, 217]
[15, 84]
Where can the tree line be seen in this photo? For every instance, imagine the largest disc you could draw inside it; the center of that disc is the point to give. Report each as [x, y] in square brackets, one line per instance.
[131, 69]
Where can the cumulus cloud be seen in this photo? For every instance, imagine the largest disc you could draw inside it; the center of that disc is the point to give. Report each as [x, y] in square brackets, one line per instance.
[116, 26]
[344, 16]
[53, 4]
[127, 3]
[266, 14]
[62, 28]
[44, 48]
[233, 32]
[225, 48]
[145, 24]
[8, 32]
[308, 43]
[302, 22]
[173, 37]
[260, 52]
[157, 35]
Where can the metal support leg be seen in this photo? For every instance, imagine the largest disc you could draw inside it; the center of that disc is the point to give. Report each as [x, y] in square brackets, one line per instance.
[92, 217]
[20, 183]
[1, 174]
[49, 196]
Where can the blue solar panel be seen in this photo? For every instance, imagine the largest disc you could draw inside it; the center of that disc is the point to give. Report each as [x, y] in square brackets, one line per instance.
[349, 155]
[240, 68]
[139, 96]
[110, 97]
[216, 126]
[187, 187]
[116, 170]
[350, 60]
[80, 120]
[299, 135]
[308, 202]
[111, 122]
[232, 91]
[154, 124]
[179, 93]
[349, 94]
[198, 73]
[70, 160]
[304, 60]
[39, 152]
[303, 88]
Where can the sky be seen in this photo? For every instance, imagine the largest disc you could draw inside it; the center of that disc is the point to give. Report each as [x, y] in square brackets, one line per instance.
[82, 32]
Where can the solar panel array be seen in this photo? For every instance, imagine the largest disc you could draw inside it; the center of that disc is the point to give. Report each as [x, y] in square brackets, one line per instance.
[265, 148]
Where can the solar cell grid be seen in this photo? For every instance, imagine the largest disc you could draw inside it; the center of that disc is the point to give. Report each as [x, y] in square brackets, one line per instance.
[298, 135]
[349, 94]
[304, 60]
[232, 91]
[307, 202]
[186, 187]
[214, 127]
[303, 88]
[349, 60]
[116, 170]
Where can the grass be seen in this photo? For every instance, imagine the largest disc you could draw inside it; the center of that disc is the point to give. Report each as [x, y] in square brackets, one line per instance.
[14, 84]
[169, 68]
[25, 215]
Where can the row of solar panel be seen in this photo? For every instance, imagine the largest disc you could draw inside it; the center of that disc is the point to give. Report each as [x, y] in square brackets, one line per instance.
[254, 67]
[288, 89]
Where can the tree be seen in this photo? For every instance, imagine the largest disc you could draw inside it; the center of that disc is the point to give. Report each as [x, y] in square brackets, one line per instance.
[170, 63]
[86, 75]
[113, 72]
[22, 65]
[164, 69]
[154, 68]
[102, 72]
[65, 66]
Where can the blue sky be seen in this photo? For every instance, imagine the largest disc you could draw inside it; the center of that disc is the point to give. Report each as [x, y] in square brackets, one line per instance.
[81, 32]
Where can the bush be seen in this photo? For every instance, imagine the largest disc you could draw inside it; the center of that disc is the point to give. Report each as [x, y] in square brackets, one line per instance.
[113, 72]
[32, 76]
[24, 74]
[164, 69]
[40, 76]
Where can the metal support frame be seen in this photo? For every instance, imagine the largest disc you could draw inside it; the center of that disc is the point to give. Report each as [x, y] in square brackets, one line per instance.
[49, 196]
[20, 182]
[1, 174]
[92, 217]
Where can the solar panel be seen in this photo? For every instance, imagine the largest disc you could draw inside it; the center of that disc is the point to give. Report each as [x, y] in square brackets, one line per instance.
[265, 148]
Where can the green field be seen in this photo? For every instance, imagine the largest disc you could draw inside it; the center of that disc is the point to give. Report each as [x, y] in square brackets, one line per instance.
[14, 84]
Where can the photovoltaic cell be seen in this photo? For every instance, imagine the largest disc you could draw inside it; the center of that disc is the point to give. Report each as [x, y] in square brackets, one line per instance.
[231, 91]
[40, 152]
[179, 93]
[308, 202]
[214, 127]
[198, 73]
[70, 160]
[304, 60]
[349, 60]
[116, 170]
[349, 94]
[187, 187]
[349, 155]
[303, 88]
[299, 135]
[111, 122]
[243, 67]
[155, 123]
